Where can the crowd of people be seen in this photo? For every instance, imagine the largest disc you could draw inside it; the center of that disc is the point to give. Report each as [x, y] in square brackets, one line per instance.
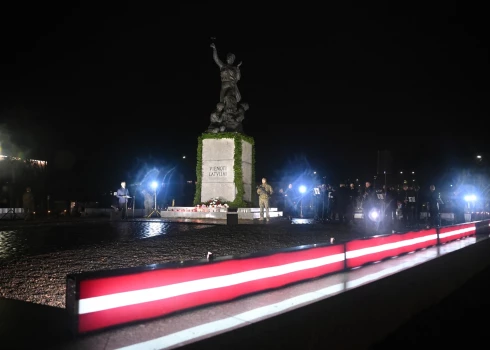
[384, 209]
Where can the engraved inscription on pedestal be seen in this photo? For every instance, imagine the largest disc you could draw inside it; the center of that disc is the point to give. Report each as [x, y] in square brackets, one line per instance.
[218, 172]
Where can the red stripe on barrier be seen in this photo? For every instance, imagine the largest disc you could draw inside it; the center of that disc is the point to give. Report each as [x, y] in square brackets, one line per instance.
[158, 278]
[139, 281]
[360, 252]
[106, 318]
[460, 231]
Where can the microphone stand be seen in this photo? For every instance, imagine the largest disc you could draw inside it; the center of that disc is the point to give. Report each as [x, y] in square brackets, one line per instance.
[134, 195]
[155, 210]
[126, 206]
[134, 199]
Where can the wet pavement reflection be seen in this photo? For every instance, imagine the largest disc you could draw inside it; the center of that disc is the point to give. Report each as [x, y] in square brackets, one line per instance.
[47, 238]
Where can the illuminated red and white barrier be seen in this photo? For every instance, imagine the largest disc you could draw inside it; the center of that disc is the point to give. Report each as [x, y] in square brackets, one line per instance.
[102, 299]
[363, 251]
[451, 233]
[99, 301]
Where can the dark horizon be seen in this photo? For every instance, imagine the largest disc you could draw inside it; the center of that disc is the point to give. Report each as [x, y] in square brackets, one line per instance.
[101, 92]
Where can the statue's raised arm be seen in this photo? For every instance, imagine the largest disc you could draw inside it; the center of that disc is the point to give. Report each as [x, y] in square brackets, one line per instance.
[215, 56]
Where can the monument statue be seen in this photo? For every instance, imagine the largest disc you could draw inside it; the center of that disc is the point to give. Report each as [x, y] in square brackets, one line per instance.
[217, 120]
[228, 115]
[230, 75]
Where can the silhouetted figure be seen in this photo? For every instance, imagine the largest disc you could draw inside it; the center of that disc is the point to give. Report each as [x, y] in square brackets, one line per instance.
[408, 207]
[123, 195]
[353, 198]
[433, 205]
[28, 204]
[343, 203]
[370, 209]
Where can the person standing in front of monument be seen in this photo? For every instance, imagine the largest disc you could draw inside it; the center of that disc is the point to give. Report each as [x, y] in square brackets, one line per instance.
[265, 192]
[28, 204]
[123, 195]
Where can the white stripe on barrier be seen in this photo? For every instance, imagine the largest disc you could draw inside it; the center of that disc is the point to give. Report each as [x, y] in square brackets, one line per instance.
[110, 301]
[388, 246]
[457, 232]
[390, 270]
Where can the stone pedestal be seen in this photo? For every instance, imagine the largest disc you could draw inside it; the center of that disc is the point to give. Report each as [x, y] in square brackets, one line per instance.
[220, 157]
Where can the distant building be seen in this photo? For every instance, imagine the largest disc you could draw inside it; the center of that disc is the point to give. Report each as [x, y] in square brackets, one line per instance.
[16, 174]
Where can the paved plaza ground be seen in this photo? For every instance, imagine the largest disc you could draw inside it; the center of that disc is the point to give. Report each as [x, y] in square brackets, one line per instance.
[36, 256]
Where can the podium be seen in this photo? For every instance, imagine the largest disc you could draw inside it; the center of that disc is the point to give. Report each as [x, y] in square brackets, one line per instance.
[232, 217]
[117, 215]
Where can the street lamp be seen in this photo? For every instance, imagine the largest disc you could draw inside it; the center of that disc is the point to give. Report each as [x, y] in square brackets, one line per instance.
[302, 190]
[154, 186]
[470, 199]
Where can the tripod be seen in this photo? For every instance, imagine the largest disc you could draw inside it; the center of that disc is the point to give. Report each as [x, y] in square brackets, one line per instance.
[134, 199]
[155, 210]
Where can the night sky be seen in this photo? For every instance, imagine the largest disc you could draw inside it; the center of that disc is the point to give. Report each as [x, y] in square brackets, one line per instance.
[105, 91]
